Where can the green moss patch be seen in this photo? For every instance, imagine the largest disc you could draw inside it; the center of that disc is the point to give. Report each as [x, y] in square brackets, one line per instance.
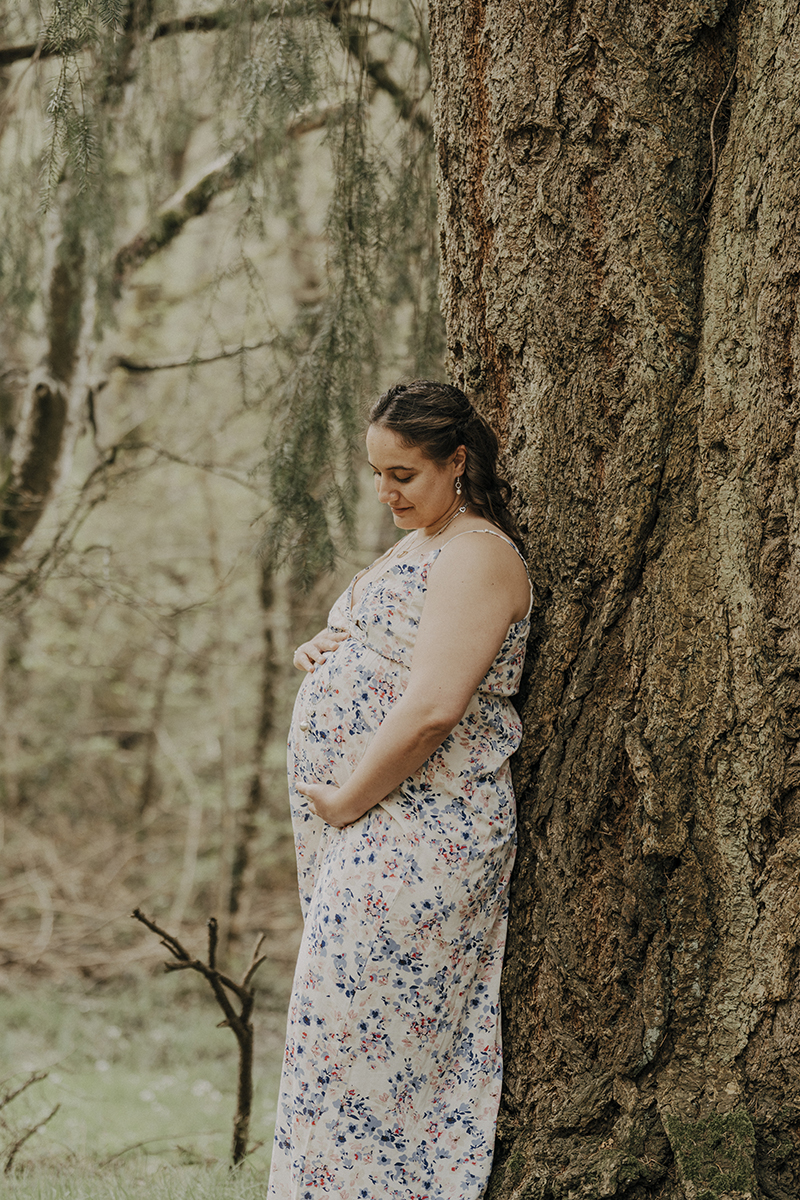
[714, 1155]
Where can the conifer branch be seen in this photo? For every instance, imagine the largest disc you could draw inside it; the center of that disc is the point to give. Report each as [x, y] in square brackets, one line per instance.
[357, 43]
[354, 38]
[221, 18]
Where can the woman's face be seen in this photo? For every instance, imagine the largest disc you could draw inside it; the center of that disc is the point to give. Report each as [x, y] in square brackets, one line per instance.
[418, 490]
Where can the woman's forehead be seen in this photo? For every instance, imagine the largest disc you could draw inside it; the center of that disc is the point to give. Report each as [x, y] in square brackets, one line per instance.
[386, 449]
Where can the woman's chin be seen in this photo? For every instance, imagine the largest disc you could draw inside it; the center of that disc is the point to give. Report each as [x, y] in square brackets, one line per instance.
[404, 519]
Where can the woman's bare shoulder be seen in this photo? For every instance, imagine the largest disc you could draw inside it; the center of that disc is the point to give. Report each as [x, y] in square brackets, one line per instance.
[492, 560]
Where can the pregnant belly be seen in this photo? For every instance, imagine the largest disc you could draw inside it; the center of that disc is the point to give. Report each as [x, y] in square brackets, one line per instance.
[342, 703]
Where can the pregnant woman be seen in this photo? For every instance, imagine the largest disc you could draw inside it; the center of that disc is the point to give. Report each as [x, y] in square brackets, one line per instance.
[405, 829]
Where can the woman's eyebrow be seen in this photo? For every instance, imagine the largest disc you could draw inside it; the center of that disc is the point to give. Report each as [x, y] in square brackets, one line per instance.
[395, 468]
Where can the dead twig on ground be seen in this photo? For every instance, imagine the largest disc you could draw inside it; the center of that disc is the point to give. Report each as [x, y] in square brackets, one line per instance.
[20, 1138]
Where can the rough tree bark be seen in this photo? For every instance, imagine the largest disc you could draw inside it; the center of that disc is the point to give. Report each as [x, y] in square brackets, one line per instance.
[619, 208]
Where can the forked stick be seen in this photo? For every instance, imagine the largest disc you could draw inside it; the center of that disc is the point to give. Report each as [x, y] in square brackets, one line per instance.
[240, 1022]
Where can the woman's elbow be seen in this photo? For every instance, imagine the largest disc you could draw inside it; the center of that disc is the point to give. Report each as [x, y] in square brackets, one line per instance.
[433, 714]
[441, 720]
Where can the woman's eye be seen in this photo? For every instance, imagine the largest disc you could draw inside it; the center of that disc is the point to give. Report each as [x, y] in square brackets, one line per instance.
[399, 480]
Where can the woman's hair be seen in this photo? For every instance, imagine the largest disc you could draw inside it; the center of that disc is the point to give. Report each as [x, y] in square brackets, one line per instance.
[438, 418]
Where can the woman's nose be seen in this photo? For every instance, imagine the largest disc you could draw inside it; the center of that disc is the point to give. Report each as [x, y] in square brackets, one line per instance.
[385, 491]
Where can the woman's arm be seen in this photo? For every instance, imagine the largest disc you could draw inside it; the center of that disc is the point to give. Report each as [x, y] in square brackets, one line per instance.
[474, 593]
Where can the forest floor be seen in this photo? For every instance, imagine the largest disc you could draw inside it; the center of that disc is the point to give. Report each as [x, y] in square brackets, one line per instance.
[134, 1180]
[143, 1077]
[145, 1083]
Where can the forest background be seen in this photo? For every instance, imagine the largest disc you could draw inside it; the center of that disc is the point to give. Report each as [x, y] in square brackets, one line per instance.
[218, 239]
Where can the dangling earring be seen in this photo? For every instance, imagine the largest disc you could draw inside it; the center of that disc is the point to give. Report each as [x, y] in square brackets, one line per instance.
[458, 485]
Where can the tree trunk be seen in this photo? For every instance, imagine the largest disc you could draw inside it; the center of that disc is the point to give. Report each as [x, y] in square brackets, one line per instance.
[619, 199]
[53, 407]
[257, 799]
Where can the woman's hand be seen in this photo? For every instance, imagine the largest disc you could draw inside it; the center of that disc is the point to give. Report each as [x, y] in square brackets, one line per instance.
[307, 655]
[324, 801]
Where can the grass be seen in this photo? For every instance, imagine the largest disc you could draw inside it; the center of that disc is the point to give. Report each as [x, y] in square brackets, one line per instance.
[133, 1180]
[146, 1087]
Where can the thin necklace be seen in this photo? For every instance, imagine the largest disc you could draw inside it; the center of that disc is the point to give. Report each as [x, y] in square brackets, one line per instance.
[387, 556]
[431, 536]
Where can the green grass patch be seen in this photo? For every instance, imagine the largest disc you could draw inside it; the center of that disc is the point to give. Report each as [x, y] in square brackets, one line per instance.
[145, 1081]
[143, 1177]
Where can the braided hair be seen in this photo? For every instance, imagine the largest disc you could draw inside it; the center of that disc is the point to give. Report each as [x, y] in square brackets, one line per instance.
[438, 418]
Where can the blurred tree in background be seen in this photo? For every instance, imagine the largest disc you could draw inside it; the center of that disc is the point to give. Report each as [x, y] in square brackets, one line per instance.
[217, 233]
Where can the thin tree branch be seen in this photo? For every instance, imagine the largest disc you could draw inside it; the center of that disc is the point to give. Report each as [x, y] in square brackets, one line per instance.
[347, 24]
[195, 360]
[712, 180]
[240, 1023]
[210, 467]
[213, 932]
[20, 1142]
[169, 1137]
[36, 1077]
[357, 43]
[12, 54]
[256, 960]
[171, 943]
[185, 961]
[191, 201]
[222, 18]
[93, 490]
[194, 198]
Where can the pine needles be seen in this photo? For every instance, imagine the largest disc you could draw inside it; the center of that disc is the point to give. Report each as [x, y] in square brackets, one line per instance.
[276, 70]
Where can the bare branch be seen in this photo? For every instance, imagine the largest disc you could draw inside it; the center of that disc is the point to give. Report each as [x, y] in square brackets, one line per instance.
[213, 933]
[222, 18]
[171, 943]
[93, 490]
[241, 1023]
[251, 972]
[169, 1137]
[356, 40]
[12, 54]
[194, 198]
[191, 201]
[720, 102]
[208, 22]
[212, 468]
[350, 26]
[195, 360]
[20, 1142]
[36, 1077]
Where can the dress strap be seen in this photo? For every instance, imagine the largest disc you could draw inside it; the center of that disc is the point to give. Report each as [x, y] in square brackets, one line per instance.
[508, 541]
[494, 533]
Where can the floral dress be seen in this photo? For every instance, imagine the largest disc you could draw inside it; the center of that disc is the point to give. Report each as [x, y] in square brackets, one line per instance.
[393, 1064]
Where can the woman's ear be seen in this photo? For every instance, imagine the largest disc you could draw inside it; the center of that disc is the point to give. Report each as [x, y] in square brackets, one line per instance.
[460, 458]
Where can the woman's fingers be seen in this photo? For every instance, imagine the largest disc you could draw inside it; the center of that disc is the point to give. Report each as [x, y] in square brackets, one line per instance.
[309, 653]
[301, 660]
